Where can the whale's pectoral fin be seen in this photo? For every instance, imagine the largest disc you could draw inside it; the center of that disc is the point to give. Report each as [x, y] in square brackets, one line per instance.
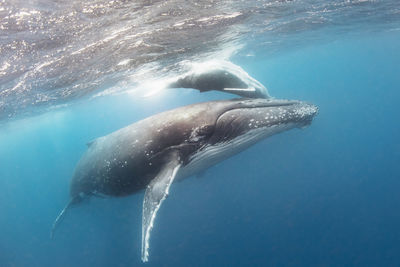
[155, 194]
[235, 90]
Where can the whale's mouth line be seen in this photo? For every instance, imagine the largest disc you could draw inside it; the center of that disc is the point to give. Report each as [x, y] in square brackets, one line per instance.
[266, 104]
[270, 103]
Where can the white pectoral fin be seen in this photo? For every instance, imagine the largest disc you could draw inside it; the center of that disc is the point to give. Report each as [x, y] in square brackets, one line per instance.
[249, 89]
[155, 194]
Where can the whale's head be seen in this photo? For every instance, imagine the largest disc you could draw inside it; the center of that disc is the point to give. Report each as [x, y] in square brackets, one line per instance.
[253, 119]
[236, 124]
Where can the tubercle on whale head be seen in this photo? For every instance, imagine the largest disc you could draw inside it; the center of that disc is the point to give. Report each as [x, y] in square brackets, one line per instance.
[307, 113]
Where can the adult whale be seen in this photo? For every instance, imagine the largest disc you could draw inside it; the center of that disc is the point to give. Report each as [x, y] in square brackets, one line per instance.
[152, 153]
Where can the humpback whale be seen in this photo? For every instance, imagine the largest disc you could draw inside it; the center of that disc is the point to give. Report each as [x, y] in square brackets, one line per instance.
[220, 76]
[151, 154]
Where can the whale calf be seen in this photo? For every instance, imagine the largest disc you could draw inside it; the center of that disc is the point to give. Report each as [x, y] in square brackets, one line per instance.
[220, 76]
[153, 153]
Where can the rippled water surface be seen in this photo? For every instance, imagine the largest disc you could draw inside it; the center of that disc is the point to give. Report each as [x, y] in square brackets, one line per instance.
[55, 51]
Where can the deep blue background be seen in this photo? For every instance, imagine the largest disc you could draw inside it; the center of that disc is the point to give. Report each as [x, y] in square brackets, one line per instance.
[327, 195]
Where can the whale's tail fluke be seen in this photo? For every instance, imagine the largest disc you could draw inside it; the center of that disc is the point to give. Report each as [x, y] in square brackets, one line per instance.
[62, 214]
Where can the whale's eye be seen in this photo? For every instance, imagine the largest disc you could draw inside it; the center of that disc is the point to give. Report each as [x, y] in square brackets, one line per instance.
[200, 133]
[205, 130]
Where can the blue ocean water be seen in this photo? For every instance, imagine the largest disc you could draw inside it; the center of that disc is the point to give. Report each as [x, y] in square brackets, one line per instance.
[326, 195]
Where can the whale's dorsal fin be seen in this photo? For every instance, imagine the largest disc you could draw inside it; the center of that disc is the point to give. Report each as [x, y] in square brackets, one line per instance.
[155, 194]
